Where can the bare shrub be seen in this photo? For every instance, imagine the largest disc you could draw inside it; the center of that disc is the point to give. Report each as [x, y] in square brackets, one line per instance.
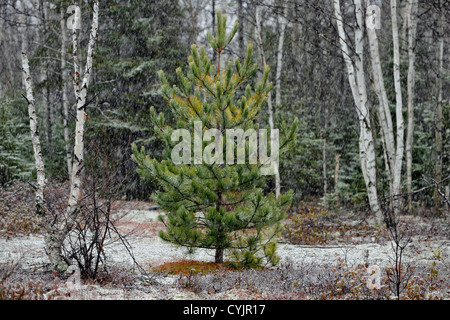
[92, 224]
[17, 216]
[17, 284]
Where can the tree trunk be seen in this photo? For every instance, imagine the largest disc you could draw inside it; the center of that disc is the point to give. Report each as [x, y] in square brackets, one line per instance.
[65, 101]
[56, 236]
[193, 22]
[280, 57]
[384, 112]
[336, 178]
[46, 93]
[393, 150]
[269, 95]
[218, 258]
[40, 170]
[359, 92]
[439, 115]
[397, 172]
[241, 29]
[324, 158]
[447, 207]
[213, 18]
[81, 93]
[411, 17]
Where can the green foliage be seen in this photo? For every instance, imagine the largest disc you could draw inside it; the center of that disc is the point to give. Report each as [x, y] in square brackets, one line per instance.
[138, 38]
[216, 206]
[16, 151]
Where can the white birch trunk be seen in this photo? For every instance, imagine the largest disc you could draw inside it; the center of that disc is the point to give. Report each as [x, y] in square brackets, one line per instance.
[359, 92]
[269, 95]
[383, 106]
[40, 170]
[81, 93]
[397, 172]
[56, 236]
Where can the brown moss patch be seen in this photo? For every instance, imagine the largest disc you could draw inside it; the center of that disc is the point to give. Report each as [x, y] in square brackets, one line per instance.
[186, 267]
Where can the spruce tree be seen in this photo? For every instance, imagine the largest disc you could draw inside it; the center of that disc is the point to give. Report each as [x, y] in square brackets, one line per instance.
[216, 205]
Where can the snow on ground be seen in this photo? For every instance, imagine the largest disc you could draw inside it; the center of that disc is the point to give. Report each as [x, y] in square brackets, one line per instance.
[141, 230]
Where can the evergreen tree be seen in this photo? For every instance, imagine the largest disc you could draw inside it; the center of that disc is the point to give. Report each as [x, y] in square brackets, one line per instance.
[16, 152]
[138, 39]
[216, 205]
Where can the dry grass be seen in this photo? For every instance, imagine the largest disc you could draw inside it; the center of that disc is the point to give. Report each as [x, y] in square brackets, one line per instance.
[189, 267]
[311, 224]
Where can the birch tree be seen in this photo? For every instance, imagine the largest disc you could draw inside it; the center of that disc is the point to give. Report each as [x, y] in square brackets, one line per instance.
[81, 93]
[383, 111]
[356, 78]
[56, 236]
[40, 170]
[393, 144]
[394, 147]
[397, 173]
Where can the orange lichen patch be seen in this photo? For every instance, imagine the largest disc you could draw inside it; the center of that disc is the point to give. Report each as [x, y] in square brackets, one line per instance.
[186, 267]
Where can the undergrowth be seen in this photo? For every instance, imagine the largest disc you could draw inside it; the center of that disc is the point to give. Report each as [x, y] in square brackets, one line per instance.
[307, 281]
[311, 224]
[186, 267]
[17, 215]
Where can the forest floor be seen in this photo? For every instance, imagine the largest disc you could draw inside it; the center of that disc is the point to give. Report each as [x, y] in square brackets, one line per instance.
[321, 257]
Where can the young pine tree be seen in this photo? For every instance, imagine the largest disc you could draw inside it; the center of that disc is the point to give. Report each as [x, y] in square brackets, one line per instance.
[216, 204]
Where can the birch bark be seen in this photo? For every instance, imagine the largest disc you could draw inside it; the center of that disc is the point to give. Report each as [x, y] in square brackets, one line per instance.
[397, 172]
[383, 106]
[359, 92]
[81, 93]
[40, 170]
[57, 234]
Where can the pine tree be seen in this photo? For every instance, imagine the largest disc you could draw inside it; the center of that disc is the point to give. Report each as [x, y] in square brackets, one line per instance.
[218, 206]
